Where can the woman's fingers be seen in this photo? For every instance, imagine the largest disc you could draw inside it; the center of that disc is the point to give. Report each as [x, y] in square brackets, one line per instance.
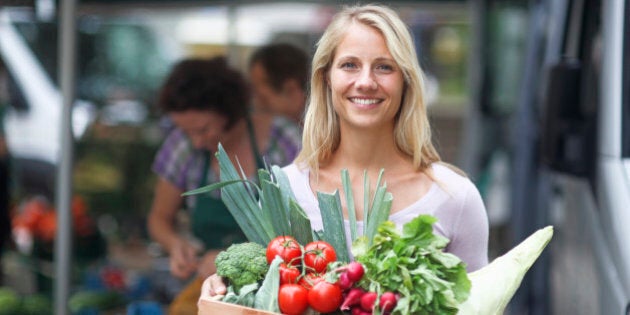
[217, 285]
[212, 286]
[183, 261]
[180, 270]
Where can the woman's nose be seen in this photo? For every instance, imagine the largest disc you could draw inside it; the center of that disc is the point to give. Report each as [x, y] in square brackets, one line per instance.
[366, 80]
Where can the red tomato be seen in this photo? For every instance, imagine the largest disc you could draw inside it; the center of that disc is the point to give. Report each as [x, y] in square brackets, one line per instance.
[318, 254]
[310, 280]
[286, 247]
[325, 297]
[292, 299]
[288, 274]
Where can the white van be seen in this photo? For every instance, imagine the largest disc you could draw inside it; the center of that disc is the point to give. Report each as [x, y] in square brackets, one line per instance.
[568, 141]
[120, 61]
[585, 155]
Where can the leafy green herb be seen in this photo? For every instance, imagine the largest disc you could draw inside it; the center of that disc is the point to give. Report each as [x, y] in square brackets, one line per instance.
[413, 264]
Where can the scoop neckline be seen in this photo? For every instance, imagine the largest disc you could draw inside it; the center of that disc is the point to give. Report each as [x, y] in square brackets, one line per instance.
[424, 199]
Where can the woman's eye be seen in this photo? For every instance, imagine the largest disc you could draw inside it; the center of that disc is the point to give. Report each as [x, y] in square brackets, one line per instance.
[387, 68]
[348, 65]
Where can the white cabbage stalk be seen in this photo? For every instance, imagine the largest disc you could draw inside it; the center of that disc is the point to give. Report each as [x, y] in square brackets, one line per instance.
[494, 285]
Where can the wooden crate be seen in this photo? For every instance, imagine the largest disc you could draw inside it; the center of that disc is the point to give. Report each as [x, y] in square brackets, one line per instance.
[221, 308]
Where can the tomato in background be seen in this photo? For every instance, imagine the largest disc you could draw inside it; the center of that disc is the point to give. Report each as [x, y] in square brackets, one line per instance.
[289, 274]
[317, 255]
[325, 297]
[292, 299]
[286, 247]
[47, 226]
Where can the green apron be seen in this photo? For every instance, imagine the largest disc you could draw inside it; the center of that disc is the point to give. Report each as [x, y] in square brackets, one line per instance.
[211, 221]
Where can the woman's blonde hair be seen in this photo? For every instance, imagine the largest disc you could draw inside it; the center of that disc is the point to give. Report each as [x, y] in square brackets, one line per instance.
[412, 131]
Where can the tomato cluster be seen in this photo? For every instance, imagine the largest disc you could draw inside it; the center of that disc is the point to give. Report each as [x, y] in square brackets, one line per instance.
[302, 276]
[311, 277]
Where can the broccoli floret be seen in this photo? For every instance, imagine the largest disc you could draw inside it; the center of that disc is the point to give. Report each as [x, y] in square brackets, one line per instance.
[242, 264]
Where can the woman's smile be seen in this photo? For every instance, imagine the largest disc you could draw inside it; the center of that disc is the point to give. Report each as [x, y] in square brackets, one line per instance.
[366, 103]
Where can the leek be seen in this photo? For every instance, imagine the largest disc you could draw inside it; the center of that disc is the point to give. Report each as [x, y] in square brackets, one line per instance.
[352, 214]
[263, 212]
[332, 220]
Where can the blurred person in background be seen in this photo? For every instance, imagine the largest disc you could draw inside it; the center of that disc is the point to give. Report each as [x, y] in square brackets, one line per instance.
[279, 74]
[208, 103]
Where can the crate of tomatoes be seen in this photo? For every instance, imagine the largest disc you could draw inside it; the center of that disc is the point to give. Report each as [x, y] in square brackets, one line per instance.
[287, 267]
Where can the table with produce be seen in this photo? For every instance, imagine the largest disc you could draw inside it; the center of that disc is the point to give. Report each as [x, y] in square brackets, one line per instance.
[287, 267]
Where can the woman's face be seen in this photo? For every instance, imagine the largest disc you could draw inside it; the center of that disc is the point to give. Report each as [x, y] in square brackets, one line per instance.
[204, 128]
[367, 84]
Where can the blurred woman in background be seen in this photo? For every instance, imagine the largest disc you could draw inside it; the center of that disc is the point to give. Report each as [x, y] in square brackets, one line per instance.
[208, 103]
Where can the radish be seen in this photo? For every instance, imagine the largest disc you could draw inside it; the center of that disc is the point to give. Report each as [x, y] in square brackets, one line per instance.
[388, 301]
[368, 300]
[352, 298]
[344, 281]
[355, 271]
[360, 311]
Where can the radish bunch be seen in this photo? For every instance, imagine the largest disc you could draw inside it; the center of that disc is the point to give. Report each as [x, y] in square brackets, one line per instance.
[359, 301]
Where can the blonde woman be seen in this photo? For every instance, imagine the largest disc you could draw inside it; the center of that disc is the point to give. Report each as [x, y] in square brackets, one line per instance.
[366, 111]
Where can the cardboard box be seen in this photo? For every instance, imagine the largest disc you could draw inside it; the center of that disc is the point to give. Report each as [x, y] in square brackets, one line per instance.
[221, 308]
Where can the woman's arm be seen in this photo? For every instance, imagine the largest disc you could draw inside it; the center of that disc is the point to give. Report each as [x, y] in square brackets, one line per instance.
[167, 201]
[471, 231]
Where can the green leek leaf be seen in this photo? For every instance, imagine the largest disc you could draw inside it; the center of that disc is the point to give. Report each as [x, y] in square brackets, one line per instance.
[333, 222]
[352, 214]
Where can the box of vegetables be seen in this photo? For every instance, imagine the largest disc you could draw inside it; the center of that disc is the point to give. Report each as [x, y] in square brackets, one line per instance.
[287, 267]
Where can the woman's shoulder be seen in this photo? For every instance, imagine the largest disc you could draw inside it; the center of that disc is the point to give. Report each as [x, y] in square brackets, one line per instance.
[277, 128]
[451, 178]
[176, 144]
[175, 158]
[282, 138]
[294, 172]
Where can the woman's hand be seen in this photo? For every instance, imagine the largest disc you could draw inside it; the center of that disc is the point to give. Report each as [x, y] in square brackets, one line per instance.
[206, 265]
[183, 261]
[211, 287]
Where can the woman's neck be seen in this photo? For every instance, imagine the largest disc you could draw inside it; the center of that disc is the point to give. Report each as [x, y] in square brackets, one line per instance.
[367, 150]
[232, 139]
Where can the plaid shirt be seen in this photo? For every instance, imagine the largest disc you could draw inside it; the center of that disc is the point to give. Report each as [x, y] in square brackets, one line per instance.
[181, 164]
